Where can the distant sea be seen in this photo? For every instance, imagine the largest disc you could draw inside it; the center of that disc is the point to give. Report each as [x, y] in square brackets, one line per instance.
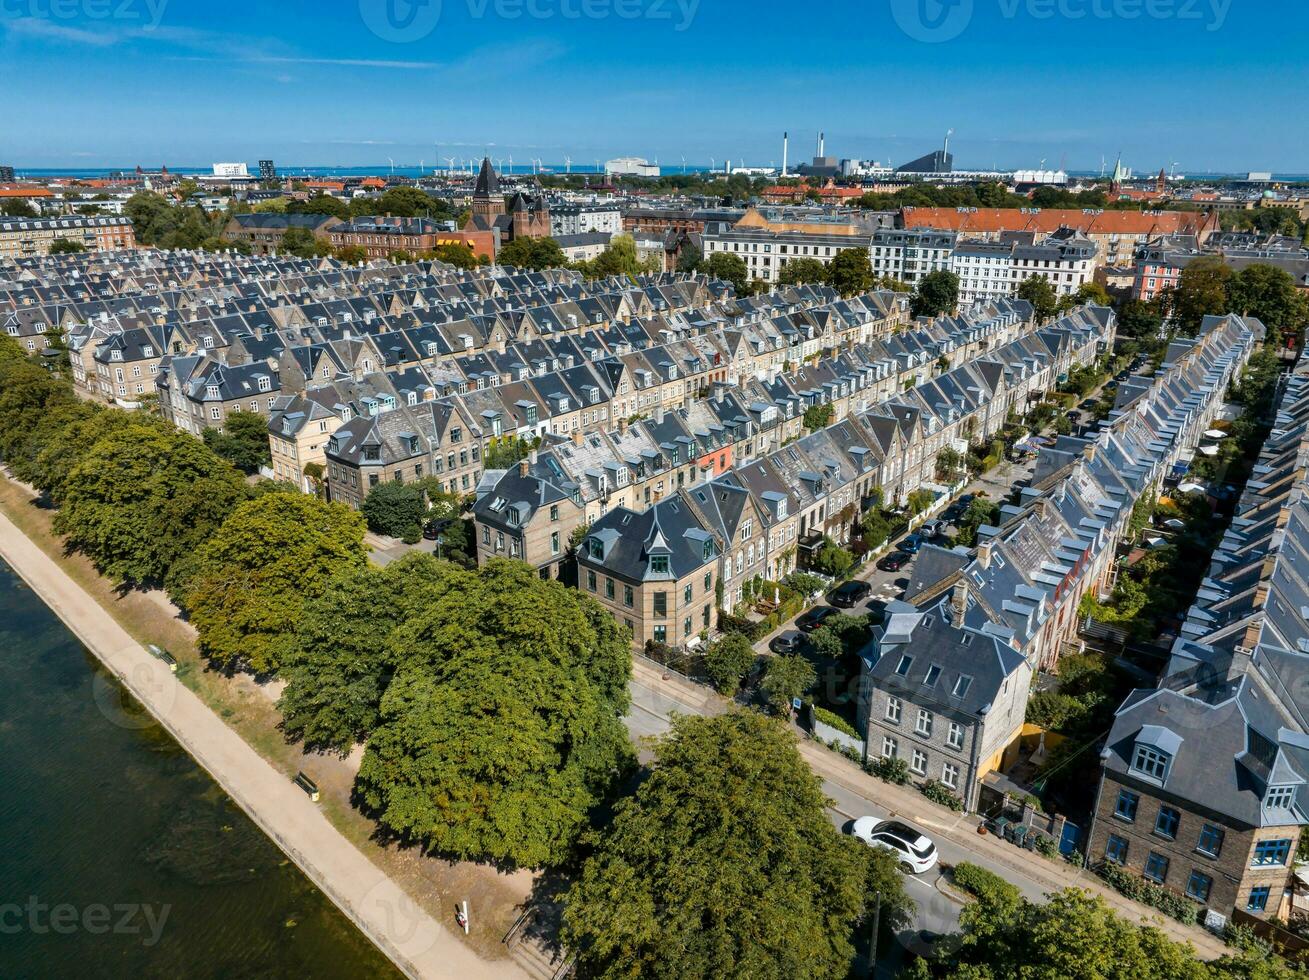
[518, 169]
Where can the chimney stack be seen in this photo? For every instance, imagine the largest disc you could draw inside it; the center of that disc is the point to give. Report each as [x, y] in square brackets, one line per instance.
[622, 427]
[523, 465]
[785, 140]
[577, 437]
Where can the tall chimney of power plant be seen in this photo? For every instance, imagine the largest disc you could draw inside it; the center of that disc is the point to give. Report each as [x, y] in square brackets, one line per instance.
[785, 138]
[822, 143]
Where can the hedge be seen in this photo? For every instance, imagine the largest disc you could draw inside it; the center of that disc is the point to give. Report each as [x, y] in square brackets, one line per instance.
[1138, 889]
[833, 720]
[985, 886]
[938, 792]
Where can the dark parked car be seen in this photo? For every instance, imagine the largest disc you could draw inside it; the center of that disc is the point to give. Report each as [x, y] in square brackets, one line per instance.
[895, 561]
[850, 594]
[788, 642]
[815, 618]
[433, 529]
[912, 543]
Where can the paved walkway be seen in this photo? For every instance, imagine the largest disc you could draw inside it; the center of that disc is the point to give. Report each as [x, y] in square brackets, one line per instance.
[953, 832]
[418, 944]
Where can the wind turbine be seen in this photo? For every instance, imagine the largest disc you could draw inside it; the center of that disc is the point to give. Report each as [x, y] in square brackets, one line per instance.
[392, 166]
[568, 164]
[684, 164]
[451, 162]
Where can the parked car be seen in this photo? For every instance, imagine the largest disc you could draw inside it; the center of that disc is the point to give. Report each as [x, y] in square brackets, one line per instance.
[932, 529]
[850, 594]
[815, 618]
[895, 561]
[915, 851]
[433, 529]
[788, 642]
[912, 543]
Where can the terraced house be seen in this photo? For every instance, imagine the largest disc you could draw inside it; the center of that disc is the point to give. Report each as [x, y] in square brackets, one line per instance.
[1204, 776]
[946, 681]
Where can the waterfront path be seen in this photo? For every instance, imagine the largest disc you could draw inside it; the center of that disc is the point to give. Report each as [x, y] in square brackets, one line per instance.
[420, 946]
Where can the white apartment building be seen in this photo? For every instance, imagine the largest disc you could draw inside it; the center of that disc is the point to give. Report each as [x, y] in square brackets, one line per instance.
[910, 254]
[583, 219]
[990, 270]
[765, 252]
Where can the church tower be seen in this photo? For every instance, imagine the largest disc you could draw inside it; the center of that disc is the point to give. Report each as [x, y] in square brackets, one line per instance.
[488, 201]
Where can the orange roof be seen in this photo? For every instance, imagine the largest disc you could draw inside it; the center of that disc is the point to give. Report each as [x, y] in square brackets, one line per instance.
[332, 185]
[1050, 220]
[13, 190]
[373, 182]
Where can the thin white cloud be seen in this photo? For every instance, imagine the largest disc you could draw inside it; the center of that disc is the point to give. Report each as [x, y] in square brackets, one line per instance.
[338, 62]
[39, 27]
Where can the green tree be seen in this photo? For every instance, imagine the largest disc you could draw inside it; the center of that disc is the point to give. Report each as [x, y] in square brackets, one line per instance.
[65, 246]
[319, 204]
[802, 270]
[937, 294]
[619, 259]
[1270, 294]
[730, 268]
[532, 253]
[411, 202]
[787, 678]
[255, 573]
[243, 442]
[1038, 291]
[874, 528]
[817, 416]
[303, 244]
[459, 256]
[500, 730]
[1201, 291]
[342, 660]
[850, 271]
[1076, 934]
[17, 208]
[728, 661]
[143, 497]
[395, 509]
[1139, 320]
[1091, 292]
[690, 259]
[725, 864]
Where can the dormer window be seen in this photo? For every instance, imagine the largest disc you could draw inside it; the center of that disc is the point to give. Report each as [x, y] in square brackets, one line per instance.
[1279, 797]
[265, 383]
[902, 668]
[531, 415]
[595, 549]
[372, 454]
[708, 550]
[1151, 763]
[211, 391]
[659, 564]
[514, 515]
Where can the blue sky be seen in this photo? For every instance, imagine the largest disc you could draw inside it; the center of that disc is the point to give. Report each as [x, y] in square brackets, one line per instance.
[1209, 84]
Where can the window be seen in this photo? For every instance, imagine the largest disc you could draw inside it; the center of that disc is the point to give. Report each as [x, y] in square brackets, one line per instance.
[1258, 899]
[708, 582]
[609, 588]
[554, 542]
[659, 564]
[1198, 885]
[1150, 763]
[889, 747]
[590, 580]
[1156, 867]
[686, 594]
[919, 764]
[554, 512]
[1165, 825]
[1126, 806]
[1115, 849]
[661, 603]
[661, 634]
[933, 672]
[961, 686]
[1211, 840]
[924, 725]
[950, 775]
[1270, 852]
[902, 668]
[955, 739]
[627, 596]
[893, 706]
[1279, 797]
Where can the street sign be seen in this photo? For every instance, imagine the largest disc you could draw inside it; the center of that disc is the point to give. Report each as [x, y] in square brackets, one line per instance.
[797, 704]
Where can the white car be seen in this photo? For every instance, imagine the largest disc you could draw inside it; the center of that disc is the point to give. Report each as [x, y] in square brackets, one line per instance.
[912, 849]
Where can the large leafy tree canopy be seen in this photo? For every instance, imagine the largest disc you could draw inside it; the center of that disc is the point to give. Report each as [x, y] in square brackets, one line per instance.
[143, 497]
[500, 728]
[1074, 936]
[724, 864]
[243, 441]
[257, 570]
[937, 294]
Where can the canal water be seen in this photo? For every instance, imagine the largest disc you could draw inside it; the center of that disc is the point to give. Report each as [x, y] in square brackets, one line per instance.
[119, 856]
